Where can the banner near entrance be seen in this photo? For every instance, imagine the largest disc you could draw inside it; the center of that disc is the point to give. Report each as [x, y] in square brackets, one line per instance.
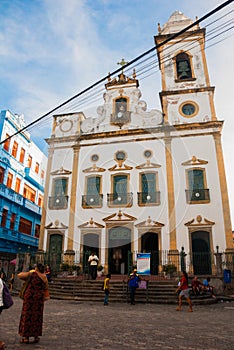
[143, 263]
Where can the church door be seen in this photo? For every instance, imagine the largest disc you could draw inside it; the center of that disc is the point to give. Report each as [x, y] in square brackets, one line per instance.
[149, 244]
[201, 253]
[91, 243]
[119, 246]
[55, 252]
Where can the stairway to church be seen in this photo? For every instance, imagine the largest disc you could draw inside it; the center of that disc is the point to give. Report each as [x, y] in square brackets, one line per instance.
[158, 291]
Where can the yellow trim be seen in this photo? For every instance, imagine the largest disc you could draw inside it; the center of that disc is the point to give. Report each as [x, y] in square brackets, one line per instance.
[72, 209]
[170, 194]
[224, 192]
[46, 196]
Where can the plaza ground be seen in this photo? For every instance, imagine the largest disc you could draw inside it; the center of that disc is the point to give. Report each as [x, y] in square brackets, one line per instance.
[118, 326]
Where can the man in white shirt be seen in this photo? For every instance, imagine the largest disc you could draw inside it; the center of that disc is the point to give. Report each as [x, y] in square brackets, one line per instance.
[93, 262]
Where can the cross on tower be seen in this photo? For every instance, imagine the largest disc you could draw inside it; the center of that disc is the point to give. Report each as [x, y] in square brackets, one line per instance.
[122, 63]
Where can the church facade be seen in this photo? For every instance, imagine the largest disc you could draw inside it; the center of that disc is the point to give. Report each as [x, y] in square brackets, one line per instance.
[137, 180]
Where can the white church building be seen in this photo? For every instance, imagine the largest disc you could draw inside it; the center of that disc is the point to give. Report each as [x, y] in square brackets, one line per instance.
[136, 180]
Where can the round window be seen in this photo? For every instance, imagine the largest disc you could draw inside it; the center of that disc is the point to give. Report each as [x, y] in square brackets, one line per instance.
[188, 109]
[120, 155]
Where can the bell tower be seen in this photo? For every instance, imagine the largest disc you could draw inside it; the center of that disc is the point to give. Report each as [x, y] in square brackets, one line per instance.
[186, 95]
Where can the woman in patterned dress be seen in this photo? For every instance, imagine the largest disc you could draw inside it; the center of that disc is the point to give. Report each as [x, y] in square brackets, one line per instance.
[32, 311]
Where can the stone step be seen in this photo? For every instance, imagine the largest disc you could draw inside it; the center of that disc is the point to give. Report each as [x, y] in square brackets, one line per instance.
[89, 290]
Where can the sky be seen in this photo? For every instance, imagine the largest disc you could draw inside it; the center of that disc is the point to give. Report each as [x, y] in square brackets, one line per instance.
[50, 50]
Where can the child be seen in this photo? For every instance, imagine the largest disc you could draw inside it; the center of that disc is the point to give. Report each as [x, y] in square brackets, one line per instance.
[106, 288]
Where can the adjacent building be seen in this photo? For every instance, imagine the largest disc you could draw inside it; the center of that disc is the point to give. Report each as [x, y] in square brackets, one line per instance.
[22, 175]
[137, 180]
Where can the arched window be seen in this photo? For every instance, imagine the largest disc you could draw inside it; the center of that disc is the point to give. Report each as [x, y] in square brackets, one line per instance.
[183, 66]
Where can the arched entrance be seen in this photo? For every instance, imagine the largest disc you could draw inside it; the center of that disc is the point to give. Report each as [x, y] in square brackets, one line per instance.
[149, 244]
[90, 243]
[201, 253]
[119, 245]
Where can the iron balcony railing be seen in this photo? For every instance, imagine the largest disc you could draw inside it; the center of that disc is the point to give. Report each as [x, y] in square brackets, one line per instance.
[148, 198]
[92, 201]
[197, 195]
[58, 202]
[119, 199]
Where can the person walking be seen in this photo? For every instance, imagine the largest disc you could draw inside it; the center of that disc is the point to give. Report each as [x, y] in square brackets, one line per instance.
[93, 262]
[106, 288]
[184, 292]
[133, 285]
[36, 293]
[2, 344]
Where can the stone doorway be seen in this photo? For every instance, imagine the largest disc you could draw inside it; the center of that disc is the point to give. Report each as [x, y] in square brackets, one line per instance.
[201, 253]
[149, 244]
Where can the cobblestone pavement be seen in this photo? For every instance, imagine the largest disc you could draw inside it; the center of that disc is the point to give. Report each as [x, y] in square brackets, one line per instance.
[118, 326]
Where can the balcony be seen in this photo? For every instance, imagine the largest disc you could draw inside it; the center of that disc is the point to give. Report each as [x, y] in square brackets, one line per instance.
[18, 237]
[32, 206]
[148, 198]
[92, 201]
[119, 199]
[196, 196]
[58, 202]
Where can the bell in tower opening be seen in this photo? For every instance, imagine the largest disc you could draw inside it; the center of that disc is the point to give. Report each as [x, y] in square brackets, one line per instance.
[183, 66]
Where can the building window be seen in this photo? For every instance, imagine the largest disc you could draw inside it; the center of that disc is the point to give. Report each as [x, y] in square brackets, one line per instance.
[17, 185]
[14, 149]
[37, 168]
[37, 230]
[25, 226]
[183, 66]
[93, 197]
[7, 143]
[2, 173]
[120, 195]
[42, 174]
[29, 162]
[22, 155]
[40, 201]
[4, 217]
[59, 198]
[148, 194]
[12, 221]
[197, 191]
[29, 193]
[9, 180]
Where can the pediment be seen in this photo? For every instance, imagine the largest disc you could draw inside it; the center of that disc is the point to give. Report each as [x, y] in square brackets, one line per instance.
[91, 224]
[199, 221]
[94, 169]
[61, 171]
[56, 225]
[195, 161]
[121, 167]
[148, 165]
[120, 216]
[149, 223]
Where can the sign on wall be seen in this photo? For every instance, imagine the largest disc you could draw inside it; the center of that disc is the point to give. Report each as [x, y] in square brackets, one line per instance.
[143, 263]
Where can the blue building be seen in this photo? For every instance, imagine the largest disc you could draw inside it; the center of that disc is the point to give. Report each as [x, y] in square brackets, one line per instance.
[22, 173]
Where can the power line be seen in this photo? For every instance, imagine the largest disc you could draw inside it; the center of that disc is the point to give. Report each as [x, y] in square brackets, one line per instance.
[171, 37]
[95, 95]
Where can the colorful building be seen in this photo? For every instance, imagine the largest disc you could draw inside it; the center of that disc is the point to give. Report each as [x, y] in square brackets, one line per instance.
[132, 180]
[22, 175]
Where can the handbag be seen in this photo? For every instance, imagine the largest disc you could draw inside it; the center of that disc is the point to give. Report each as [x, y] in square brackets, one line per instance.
[7, 298]
[24, 287]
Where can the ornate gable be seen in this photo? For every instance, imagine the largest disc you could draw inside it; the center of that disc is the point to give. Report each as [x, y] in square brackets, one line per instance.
[119, 217]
